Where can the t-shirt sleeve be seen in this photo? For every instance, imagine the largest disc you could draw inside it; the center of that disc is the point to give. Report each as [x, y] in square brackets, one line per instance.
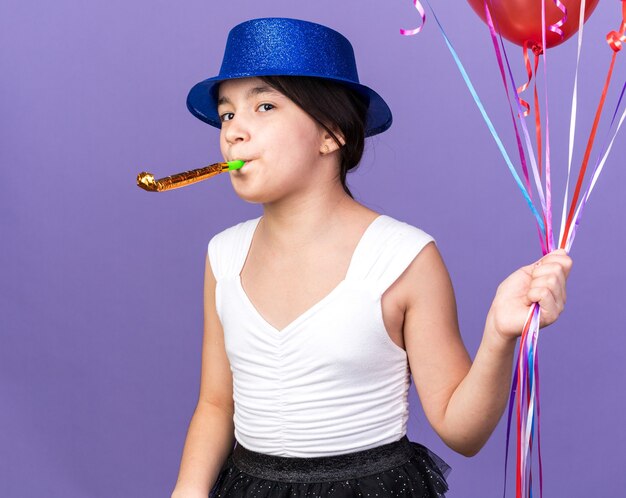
[227, 248]
[214, 259]
[397, 253]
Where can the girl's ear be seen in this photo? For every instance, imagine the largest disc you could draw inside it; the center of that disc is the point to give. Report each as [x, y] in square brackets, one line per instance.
[329, 142]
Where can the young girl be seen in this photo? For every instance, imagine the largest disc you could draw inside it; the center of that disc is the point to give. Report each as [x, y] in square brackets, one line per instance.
[318, 311]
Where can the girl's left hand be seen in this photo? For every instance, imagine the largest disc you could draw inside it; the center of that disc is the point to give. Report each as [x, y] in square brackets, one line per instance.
[542, 282]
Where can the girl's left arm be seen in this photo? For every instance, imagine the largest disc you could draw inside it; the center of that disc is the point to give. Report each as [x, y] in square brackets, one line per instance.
[464, 401]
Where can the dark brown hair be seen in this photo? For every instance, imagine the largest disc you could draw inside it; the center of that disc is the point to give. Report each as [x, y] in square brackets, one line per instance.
[334, 107]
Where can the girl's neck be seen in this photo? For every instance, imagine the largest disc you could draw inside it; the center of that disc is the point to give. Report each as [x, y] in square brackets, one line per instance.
[289, 227]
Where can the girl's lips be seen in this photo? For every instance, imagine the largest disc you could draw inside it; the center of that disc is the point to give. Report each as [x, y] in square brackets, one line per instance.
[246, 162]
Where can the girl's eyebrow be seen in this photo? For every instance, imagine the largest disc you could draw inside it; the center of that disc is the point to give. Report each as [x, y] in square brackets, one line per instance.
[257, 90]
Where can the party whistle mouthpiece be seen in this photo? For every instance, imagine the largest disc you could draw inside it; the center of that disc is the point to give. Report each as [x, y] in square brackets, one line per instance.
[147, 182]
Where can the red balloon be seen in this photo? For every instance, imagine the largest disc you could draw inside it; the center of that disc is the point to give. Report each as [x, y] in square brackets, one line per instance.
[519, 21]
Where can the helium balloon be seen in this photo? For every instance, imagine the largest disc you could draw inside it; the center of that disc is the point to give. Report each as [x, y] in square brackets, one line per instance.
[519, 21]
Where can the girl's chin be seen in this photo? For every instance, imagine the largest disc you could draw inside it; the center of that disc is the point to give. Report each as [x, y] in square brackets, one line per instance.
[254, 193]
[244, 188]
[252, 199]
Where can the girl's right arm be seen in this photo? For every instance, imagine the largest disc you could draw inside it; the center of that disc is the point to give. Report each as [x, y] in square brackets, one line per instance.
[210, 437]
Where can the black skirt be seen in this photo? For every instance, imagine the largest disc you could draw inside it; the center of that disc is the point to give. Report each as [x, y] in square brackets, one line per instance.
[403, 468]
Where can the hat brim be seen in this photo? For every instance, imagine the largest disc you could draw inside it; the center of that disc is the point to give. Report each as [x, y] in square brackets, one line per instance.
[202, 101]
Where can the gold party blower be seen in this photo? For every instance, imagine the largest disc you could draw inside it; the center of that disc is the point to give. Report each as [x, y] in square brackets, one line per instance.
[147, 182]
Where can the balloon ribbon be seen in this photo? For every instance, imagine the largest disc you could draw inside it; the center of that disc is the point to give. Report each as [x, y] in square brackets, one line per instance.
[615, 39]
[420, 9]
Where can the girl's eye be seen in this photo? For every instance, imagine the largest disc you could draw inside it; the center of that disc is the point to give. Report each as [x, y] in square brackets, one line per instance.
[227, 116]
[265, 107]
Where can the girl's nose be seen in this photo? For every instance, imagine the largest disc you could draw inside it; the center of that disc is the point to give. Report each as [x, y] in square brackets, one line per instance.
[236, 131]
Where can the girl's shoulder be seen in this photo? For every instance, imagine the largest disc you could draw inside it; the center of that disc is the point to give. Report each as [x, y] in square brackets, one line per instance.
[386, 250]
[228, 234]
[391, 228]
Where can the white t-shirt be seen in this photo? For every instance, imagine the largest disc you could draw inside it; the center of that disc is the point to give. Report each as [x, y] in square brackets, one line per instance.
[332, 381]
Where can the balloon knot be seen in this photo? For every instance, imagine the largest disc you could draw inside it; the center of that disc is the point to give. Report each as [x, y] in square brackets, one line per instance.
[615, 40]
[537, 49]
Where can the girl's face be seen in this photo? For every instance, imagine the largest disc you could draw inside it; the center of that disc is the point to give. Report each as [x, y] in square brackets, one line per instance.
[280, 143]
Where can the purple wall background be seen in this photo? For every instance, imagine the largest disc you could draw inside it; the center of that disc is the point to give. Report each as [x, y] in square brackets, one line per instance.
[101, 287]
